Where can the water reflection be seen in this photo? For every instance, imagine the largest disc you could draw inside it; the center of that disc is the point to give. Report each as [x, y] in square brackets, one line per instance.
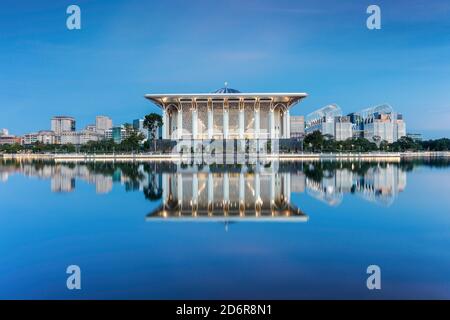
[258, 191]
[200, 194]
[380, 184]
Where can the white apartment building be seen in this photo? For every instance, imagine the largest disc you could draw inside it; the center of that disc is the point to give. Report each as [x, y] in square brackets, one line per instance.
[79, 137]
[102, 124]
[60, 124]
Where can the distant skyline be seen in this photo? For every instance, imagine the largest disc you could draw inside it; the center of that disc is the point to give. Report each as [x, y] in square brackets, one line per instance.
[128, 48]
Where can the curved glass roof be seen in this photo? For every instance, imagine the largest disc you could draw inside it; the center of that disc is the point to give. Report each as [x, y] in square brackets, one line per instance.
[226, 90]
[331, 110]
[370, 112]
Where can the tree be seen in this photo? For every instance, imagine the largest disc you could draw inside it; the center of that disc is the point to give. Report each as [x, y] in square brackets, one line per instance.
[384, 145]
[405, 144]
[314, 141]
[152, 122]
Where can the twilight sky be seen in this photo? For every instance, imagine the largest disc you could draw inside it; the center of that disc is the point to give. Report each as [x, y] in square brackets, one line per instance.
[127, 48]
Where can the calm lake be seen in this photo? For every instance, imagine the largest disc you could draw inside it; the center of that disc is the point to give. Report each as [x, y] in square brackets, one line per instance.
[266, 230]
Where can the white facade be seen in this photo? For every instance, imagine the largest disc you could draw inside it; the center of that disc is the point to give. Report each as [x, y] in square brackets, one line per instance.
[80, 137]
[103, 123]
[399, 129]
[91, 128]
[4, 132]
[329, 121]
[297, 126]
[30, 138]
[380, 123]
[343, 129]
[60, 124]
[46, 137]
[226, 114]
[379, 131]
[108, 134]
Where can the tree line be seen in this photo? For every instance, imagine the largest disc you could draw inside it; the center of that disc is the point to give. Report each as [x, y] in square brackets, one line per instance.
[313, 142]
[317, 142]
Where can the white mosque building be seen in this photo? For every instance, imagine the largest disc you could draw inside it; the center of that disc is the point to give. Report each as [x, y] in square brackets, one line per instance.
[226, 114]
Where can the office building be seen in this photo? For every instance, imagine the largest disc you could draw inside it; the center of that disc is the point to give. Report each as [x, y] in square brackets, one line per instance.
[297, 126]
[103, 123]
[343, 128]
[59, 124]
[379, 123]
[330, 122]
[138, 126]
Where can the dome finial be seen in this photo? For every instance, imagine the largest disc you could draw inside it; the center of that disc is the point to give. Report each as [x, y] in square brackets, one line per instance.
[226, 84]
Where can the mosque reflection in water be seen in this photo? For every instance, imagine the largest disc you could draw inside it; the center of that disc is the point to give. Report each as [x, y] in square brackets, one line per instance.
[262, 194]
[258, 191]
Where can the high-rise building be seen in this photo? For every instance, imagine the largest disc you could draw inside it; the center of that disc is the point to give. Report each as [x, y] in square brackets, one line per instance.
[379, 128]
[297, 126]
[329, 121]
[103, 123]
[138, 125]
[343, 128]
[399, 127]
[379, 123]
[118, 134]
[59, 124]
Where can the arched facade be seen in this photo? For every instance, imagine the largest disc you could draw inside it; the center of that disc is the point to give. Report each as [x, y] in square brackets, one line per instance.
[226, 114]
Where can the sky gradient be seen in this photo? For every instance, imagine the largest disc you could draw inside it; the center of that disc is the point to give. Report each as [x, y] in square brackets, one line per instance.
[126, 49]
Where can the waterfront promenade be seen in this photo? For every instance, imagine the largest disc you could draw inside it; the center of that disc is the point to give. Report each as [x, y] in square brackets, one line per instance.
[149, 157]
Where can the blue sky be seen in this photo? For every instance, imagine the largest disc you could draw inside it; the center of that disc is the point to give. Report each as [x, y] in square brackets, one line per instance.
[127, 48]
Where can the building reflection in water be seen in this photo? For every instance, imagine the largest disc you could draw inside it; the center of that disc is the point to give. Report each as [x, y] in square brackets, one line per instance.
[380, 184]
[203, 195]
[259, 191]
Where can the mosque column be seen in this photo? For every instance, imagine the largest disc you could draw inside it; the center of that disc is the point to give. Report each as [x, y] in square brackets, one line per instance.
[241, 123]
[180, 123]
[288, 124]
[165, 122]
[271, 124]
[225, 122]
[283, 132]
[194, 124]
[210, 123]
[257, 131]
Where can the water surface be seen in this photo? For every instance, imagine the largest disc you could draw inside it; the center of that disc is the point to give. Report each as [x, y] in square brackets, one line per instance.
[263, 230]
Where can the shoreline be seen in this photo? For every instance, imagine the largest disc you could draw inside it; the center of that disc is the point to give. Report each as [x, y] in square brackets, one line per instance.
[142, 157]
